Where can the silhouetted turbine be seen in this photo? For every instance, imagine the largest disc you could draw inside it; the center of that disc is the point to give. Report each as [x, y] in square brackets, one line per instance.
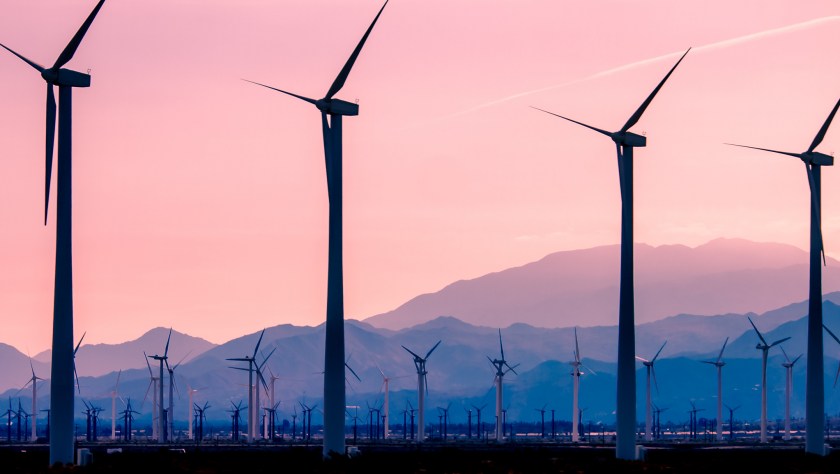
[334, 389]
[625, 141]
[814, 395]
[61, 379]
[764, 348]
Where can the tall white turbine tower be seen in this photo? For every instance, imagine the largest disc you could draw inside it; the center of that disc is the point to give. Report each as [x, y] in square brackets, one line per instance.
[502, 367]
[576, 373]
[114, 407]
[422, 390]
[788, 365]
[718, 363]
[62, 437]
[648, 404]
[764, 348]
[34, 381]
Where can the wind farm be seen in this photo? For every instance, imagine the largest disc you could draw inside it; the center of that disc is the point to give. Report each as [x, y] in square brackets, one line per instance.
[200, 212]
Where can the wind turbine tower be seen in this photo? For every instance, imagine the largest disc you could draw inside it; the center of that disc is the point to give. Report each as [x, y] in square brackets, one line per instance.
[788, 365]
[718, 363]
[162, 428]
[114, 407]
[334, 388]
[422, 390]
[764, 348]
[61, 378]
[815, 386]
[648, 404]
[625, 141]
[502, 367]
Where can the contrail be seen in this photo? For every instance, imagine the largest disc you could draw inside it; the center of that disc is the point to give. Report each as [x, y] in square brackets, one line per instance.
[625, 67]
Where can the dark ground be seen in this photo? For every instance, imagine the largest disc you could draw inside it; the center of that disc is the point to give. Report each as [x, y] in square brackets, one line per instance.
[505, 459]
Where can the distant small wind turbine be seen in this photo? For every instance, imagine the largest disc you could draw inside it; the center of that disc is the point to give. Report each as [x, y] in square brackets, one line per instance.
[788, 365]
[252, 411]
[114, 395]
[719, 363]
[648, 405]
[764, 348]
[625, 142]
[814, 390]
[422, 389]
[162, 420]
[576, 373]
[502, 367]
[838, 342]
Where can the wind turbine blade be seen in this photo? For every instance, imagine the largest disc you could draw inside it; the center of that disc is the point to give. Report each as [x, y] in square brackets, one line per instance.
[620, 168]
[50, 146]
[70, 50]
[796, 359]
[151, 374]
[779, 341]
[259, 341]
[795, 155]
[657, 352]
[641, 359]
[816, 214]
[837, 375]
[345, 71]
[76, 374]
[638, 113]
[603, 132]
[35, 65]
[117, 386]
[79, 344]
[306, 99]
[785, 354]
[821, 134]
[831, 334]
[708, 362]
[166, 350]
[182, 359]
[501, 347]
[409, 351]
[512, 368]
[588, 369]
[352, 371]
[757, 331]
[577, 348]
[721, 349]
[655, 383]
[432, 350]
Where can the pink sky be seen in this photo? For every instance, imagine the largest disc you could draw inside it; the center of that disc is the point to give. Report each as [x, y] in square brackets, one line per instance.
[200, 200]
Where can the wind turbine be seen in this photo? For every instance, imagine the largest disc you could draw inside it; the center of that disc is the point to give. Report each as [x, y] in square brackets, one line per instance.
[34, 381]
[648, 405]
[422, 389]
[252, 417]
[385, 384]
[170, 413]
[718, 363]
[814, 390]
[788, 365]
[625, 142]
[838, 342]
[153, 381]
[61, 379]
[114, 407]
[162, 420]
[190, 392]
[502, 367]
[576, 373]
[478, 427]
[334, 389]
[732, 420]
[764, 348]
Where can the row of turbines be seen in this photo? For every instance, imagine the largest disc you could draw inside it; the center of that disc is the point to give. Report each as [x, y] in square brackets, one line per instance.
[332, 111]
[163, 418]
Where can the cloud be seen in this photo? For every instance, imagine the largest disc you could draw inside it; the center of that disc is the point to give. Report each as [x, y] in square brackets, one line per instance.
[708, 47]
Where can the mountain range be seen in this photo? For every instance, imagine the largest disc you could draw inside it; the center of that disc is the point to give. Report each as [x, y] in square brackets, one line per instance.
[580, 287]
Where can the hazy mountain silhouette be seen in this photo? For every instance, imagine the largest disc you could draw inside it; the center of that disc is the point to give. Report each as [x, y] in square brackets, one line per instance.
[580, 287]
[460, 373]
[100, 359]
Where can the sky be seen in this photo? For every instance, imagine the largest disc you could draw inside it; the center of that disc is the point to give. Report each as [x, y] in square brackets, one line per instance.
[200, 200]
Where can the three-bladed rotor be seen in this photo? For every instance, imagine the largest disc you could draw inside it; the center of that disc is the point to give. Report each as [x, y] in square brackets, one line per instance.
[58, 76]
[763, 344]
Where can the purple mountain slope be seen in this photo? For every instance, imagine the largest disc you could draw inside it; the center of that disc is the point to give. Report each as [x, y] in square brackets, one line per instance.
[580, 287]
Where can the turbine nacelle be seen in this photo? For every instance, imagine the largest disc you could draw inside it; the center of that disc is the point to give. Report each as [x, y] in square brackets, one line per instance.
[629, 139]
[337, 107]
[66, 77]
[816, 158]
